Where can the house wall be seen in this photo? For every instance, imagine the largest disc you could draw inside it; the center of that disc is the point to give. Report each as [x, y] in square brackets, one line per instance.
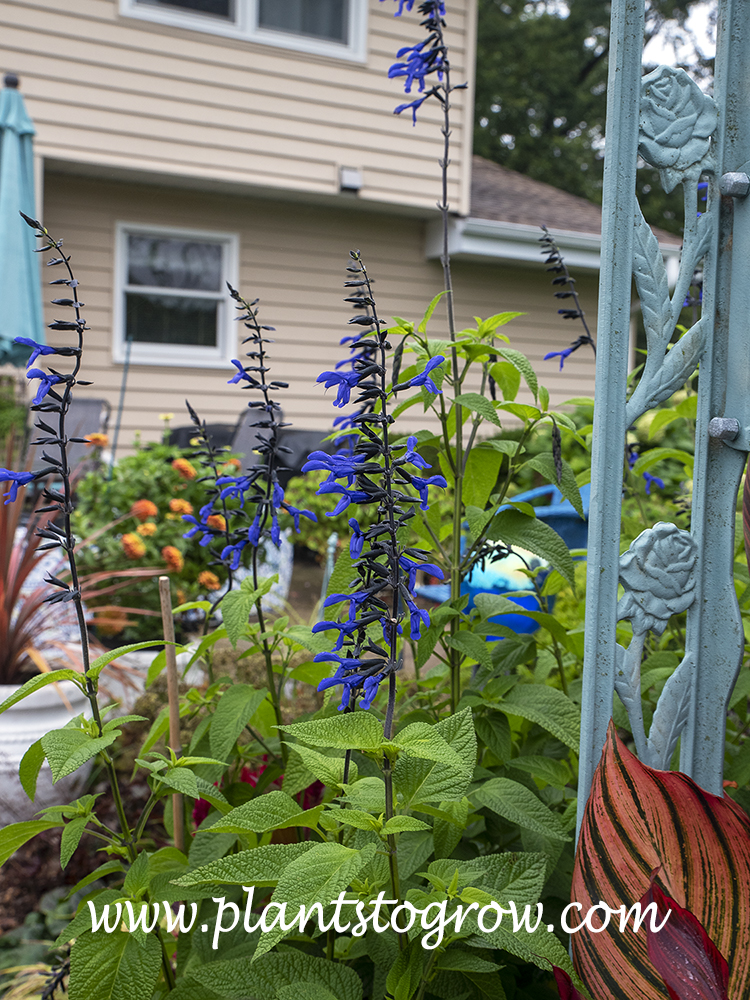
[127, 94]
[293, 258]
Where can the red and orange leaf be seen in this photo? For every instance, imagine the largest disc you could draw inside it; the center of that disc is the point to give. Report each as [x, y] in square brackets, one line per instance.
[685, 957]
[638, 819]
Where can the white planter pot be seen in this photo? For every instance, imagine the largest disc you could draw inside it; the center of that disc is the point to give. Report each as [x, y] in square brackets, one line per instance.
[24, 724]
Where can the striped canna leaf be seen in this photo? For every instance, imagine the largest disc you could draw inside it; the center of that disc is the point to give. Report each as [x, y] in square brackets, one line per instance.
[639, 819]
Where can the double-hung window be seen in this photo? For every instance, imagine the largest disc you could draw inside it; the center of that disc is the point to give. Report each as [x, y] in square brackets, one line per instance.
[171, 298]
[323, 27]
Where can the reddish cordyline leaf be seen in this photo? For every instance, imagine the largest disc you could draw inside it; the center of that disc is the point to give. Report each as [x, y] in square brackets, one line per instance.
[565, 986]
[685, 957]
[638, 819]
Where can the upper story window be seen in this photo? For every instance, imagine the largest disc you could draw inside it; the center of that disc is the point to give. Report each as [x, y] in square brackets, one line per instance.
[322, 27]
[171, 298]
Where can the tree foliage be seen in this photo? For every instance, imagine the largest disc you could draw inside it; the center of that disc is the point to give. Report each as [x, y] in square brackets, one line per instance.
[541, 92]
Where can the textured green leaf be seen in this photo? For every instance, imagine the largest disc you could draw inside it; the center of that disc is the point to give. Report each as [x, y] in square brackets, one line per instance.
[31, 764]
[554, 772]
[14, 836]
[318, 877]
[40, 681]
[519, 805]
[478, 404]
[480, 475]
[329, 770]
[357, 818]
[71, 838]
[108, 868]
[102, 661]
[464, 961]
[422, 740]
[272, 811]
[472, 646]
[353, 731]
[515, 528]
[117, 966]
[549, 708]
[523, 364]
[545, 464]
[67, 749]
[238, 978]
[236, 707]
[494, 731]
[304, 991]
[655, 455]
[428, 781]
[404, 824]
[238, 605]
[260, 866]
[508, 379]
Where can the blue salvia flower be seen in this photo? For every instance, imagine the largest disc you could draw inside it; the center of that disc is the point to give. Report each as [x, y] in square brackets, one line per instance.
[371, 471]
[562, 355]
[419, 61]
[36, 349]
[648, 478]
[46, 381]
[15, 479]
[557, 266]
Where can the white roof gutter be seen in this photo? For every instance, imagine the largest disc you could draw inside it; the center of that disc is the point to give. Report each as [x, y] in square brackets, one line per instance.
[484, 240]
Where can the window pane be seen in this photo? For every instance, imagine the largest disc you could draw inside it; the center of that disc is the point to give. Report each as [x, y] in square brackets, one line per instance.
[169, 319]
[317, 18]
[218, 8]
[174, 263]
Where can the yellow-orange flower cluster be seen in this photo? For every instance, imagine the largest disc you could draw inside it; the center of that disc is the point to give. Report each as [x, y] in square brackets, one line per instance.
[209, 580]
[147, 529]
[97, 441]
[113, 622]
[216, 521]
[173, 558]
[185, 469]
[133, 546]
[144, 509]
[180, 506]
[234, 462]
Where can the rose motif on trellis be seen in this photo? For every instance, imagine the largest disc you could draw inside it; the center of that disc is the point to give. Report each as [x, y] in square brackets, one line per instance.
[676, 124]
[658, 574]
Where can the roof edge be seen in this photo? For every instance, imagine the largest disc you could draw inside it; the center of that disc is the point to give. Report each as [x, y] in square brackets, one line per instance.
[487, 239]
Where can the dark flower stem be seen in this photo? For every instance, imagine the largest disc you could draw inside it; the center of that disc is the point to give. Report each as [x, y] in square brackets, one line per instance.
[67, 541]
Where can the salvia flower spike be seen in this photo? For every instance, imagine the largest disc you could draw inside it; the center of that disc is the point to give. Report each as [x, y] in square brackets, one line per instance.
[372, 470]
[566, 289]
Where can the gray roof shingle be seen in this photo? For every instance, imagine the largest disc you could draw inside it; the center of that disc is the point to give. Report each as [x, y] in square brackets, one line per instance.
[504, 195]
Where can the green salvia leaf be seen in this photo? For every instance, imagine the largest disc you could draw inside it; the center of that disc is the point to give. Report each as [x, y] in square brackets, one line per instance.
[519, 805]
[235, 709]
[355, 731]
[68, 749]
[261, 866]
[515, 528]
[547, 707]
[318, 877]
[14, 836]
[478, 404]
[114, 966]
[31, 764]
[545, 464]
[102, 661]
[329, 770]
[71, 838]
[40, 681]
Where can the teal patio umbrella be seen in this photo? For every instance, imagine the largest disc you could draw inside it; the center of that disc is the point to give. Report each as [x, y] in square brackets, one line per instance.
[20, 292]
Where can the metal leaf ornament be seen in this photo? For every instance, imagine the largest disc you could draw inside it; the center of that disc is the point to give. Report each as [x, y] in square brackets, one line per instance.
[639, 819]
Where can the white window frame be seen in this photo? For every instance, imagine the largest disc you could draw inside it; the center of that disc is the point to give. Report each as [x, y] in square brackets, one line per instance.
[186, 356]
[246, 27]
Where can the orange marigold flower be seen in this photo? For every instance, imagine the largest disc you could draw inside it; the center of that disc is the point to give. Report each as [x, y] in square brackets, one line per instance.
[217, 521]
[97, 440]
[234, 462]
[133, 546]
[146, 529]
[209, 580]
[144, 509]
[178, 506]
[173, 558]
[185, 469]
[181, 596]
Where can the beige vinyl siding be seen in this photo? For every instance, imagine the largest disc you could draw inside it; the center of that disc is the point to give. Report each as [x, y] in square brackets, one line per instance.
[292, 258]
[127, 93]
